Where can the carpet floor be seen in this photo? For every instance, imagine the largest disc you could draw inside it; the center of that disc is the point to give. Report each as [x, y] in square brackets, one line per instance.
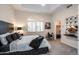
[58, 48]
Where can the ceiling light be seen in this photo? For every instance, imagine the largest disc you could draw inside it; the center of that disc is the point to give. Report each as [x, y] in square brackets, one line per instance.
[43, 4]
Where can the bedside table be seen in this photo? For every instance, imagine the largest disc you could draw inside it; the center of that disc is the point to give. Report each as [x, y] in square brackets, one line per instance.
[21, 34]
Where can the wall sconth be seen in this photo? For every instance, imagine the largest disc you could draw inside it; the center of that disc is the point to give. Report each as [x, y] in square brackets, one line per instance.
[19, 29]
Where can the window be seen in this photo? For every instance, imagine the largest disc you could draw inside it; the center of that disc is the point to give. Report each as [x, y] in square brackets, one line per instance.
[35, 26]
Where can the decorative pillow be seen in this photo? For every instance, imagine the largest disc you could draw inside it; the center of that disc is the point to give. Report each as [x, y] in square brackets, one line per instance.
[18, 35]
[9, 38]
[4, 41]
[15, 36]
[36, 42]
[0, 44]
[3, 38]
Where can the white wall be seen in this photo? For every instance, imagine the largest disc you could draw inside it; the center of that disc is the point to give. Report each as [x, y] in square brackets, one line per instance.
[22, 19]
[7, 13]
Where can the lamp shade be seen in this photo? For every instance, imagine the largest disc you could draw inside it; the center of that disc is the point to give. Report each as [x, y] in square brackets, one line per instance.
[19, 28]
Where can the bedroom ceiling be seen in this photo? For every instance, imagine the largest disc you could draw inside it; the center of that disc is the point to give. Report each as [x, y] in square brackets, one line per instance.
[37, 8]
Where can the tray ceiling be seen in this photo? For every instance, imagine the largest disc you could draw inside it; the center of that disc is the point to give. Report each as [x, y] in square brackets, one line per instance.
[38, 8]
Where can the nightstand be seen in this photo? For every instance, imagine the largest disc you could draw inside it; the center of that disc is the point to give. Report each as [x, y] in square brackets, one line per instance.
[21, 34]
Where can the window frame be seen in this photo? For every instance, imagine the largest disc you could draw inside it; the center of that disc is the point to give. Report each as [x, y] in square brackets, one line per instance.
[36, 25]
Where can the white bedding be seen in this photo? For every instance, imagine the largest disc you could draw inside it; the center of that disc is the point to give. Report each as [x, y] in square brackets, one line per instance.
[23, 44]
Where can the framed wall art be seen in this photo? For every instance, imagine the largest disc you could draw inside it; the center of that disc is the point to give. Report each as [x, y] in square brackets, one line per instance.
[47, 25]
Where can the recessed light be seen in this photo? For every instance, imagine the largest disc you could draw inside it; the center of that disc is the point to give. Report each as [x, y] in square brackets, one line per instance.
[43, 4]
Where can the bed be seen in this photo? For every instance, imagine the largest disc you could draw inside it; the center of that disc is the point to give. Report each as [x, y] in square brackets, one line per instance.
[21, 46]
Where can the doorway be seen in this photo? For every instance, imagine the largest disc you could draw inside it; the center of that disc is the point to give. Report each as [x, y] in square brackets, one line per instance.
[58, 29]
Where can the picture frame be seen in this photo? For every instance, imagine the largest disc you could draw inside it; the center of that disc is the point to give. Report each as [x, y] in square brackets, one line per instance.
[47, 25]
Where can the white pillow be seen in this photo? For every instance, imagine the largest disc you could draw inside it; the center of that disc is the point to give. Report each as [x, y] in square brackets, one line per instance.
[3, 38]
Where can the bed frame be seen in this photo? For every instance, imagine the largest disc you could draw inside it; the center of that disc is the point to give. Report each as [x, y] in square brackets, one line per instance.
[30, 52]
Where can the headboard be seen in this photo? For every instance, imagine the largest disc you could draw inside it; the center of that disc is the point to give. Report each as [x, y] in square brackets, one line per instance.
[6, 27]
